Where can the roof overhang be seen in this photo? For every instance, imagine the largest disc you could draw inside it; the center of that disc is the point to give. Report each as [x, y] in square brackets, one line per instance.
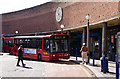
[112, 21]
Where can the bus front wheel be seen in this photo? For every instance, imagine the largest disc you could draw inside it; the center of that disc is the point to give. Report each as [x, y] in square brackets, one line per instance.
[39, 57]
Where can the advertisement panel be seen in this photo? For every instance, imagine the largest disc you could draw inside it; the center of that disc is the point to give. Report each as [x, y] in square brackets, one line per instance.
[32, 51]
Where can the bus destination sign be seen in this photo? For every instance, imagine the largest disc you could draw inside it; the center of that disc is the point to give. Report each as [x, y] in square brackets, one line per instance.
[59, 37]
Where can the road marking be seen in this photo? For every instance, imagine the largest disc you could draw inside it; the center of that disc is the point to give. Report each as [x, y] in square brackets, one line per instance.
[85, 71]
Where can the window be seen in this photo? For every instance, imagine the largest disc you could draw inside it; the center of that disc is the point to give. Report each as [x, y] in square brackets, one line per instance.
[32, 43]
[59, 46]
[10, 43]
[46, 44]
[39, 43]
[17, 43]
[6, 42]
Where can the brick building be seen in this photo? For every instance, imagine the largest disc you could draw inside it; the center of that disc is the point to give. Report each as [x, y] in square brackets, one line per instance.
[38, 18]
[42, 19]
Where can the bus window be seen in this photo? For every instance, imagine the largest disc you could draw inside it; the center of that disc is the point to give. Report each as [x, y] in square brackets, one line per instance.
[39, 43]
[10, 43]
[6, 42]
[25, 43]
[33, 45]
[46, 44]
[17, 42]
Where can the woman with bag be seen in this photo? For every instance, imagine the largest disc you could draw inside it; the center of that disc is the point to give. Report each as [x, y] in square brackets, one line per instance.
[84, 50]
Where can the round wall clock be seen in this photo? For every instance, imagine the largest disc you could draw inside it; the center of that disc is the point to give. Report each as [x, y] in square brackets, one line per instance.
[59, 14]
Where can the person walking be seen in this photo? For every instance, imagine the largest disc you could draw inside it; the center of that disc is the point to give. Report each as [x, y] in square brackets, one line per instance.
[20, 56]
[84, 50]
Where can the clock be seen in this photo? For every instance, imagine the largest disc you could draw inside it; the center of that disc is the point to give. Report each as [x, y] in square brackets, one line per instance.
[59, 14]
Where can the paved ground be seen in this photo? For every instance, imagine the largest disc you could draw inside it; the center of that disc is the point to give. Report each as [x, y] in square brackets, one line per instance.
[97, 68]
[34, 68]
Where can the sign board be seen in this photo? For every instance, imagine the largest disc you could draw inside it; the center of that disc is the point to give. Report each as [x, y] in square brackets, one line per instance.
[118, 47]
[32, 51]
[112, 38]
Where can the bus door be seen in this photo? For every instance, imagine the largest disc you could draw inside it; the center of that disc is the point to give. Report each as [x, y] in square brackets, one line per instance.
[46, 44]
[46, 49]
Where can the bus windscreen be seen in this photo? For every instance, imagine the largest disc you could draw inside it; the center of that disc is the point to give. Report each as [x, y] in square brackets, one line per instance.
[59, 44]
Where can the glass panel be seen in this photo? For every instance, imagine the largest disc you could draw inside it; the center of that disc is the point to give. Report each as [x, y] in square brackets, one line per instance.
[46, 44]
[59, 46]
[10, 43]
[39, 43]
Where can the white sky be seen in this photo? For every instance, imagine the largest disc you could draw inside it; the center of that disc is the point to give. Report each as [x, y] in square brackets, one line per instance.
[15, 5]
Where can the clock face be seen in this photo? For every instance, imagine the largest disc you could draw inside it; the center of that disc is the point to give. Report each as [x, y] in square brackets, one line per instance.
[58, 14]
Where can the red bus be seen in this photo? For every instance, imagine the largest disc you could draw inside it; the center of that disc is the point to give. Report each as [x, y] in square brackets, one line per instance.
[45, 47]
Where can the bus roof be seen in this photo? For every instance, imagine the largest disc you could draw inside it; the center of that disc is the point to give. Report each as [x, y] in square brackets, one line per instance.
[40, 36]
[32, 36]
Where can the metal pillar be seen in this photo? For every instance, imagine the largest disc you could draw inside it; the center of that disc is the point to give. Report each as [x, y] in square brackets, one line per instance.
[104, 61]
[88, 41]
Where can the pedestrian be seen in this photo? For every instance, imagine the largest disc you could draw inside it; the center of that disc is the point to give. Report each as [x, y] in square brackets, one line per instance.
[20, 56]
[84, 50]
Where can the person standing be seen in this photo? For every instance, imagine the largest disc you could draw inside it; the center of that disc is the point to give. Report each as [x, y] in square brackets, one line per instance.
[84, 50]
[20, 56]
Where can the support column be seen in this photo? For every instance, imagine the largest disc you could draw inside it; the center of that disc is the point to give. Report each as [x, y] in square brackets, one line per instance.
[84, 35]
[104, 42]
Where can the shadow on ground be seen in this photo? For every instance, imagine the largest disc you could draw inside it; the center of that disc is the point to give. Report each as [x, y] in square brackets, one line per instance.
[67, 62]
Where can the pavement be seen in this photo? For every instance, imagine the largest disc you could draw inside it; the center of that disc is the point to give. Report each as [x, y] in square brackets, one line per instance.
[72, 66]
[96, 69]
[34, 68]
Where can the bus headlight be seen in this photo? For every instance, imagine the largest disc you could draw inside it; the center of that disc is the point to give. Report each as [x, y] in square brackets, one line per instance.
[53, 55]
[66, 55]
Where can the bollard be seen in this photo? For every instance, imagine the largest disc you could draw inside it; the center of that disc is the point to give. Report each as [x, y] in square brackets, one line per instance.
[105, 63]
[93, 56]
[102, 64]
[117, 68]
[76, 55]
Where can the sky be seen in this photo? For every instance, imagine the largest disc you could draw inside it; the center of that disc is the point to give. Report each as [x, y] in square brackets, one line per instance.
[7, 6]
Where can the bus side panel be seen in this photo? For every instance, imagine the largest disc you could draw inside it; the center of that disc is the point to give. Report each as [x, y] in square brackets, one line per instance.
[31, 53]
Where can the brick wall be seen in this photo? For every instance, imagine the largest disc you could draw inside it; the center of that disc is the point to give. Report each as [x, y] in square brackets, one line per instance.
[42, 18]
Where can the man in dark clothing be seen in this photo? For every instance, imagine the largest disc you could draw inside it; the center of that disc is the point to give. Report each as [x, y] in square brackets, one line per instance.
[20, 56]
